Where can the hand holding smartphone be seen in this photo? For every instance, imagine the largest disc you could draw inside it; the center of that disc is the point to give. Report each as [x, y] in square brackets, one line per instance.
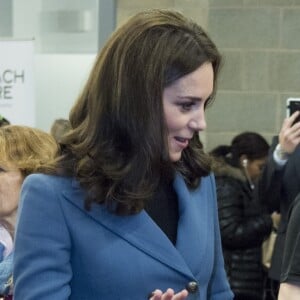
[292, 105]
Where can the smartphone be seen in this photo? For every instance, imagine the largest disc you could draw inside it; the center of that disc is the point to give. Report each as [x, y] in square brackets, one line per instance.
[292, 105]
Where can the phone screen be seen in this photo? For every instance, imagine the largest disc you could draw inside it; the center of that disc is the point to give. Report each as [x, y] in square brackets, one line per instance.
[293, 104]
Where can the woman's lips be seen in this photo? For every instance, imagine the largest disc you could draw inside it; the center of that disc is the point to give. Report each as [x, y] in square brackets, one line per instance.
[182, 142]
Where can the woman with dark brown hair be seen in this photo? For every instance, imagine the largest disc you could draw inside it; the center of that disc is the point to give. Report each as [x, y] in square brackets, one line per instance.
[244, 223]
[130, 212]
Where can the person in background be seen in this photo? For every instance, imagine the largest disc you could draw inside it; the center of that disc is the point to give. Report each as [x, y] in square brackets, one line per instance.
[59, 128]
[22, 151]
[128, 209]
[279, 185]
[244, 224]
[290, 270]
[3, 121]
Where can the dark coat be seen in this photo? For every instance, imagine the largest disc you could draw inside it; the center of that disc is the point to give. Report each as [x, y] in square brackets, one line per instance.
[244, 226]
[277, 190]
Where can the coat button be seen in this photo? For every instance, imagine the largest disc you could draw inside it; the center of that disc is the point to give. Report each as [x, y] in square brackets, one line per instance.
[192, 287]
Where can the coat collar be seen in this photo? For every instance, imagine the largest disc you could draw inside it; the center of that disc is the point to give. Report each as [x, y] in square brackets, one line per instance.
[222, 168]
[140, 230]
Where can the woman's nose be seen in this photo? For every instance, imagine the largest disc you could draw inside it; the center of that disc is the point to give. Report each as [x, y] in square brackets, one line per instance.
[198, 122]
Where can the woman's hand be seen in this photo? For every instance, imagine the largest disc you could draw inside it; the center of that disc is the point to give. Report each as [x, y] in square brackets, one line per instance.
[169, 294]
[289, 136]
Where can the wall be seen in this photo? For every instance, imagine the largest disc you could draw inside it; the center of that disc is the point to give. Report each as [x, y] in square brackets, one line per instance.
[59, 80]
[260, 43]
[67, 36]
[259, 40]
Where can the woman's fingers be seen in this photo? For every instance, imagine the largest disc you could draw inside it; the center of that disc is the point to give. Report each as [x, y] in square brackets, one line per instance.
[169, 294]
[289, 136]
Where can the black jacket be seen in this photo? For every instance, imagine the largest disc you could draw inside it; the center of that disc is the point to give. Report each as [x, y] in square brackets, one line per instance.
[277, 190]
[244, 226]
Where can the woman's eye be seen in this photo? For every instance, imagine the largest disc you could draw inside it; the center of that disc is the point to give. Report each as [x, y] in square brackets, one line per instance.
[187, 105]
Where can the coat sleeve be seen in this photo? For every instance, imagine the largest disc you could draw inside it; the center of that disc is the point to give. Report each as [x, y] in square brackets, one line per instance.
[270, 183]
[218, 288]
[290, 271]
[42, 243]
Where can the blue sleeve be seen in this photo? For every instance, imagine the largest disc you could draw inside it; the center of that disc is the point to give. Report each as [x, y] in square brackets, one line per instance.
[42, 244]
[6, 275]
[218, 288]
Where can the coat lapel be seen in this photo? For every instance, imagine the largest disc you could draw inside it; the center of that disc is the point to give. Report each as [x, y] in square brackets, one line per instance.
[139, 230]
[193, 222]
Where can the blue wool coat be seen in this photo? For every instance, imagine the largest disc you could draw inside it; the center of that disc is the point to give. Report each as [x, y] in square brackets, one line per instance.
[65, 252]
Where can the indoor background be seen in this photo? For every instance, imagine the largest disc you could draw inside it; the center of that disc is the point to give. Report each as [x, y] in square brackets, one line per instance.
[259, 39]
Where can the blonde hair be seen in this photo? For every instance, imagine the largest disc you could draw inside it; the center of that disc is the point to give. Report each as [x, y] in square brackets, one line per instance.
[26, 147]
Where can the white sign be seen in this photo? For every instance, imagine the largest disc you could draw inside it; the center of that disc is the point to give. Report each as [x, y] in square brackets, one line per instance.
[17, 103]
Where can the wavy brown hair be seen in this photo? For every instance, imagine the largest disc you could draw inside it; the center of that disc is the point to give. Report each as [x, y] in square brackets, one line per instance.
[117, 146]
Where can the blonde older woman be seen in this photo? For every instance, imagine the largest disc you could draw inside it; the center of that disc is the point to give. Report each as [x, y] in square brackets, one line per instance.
[22, 150]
